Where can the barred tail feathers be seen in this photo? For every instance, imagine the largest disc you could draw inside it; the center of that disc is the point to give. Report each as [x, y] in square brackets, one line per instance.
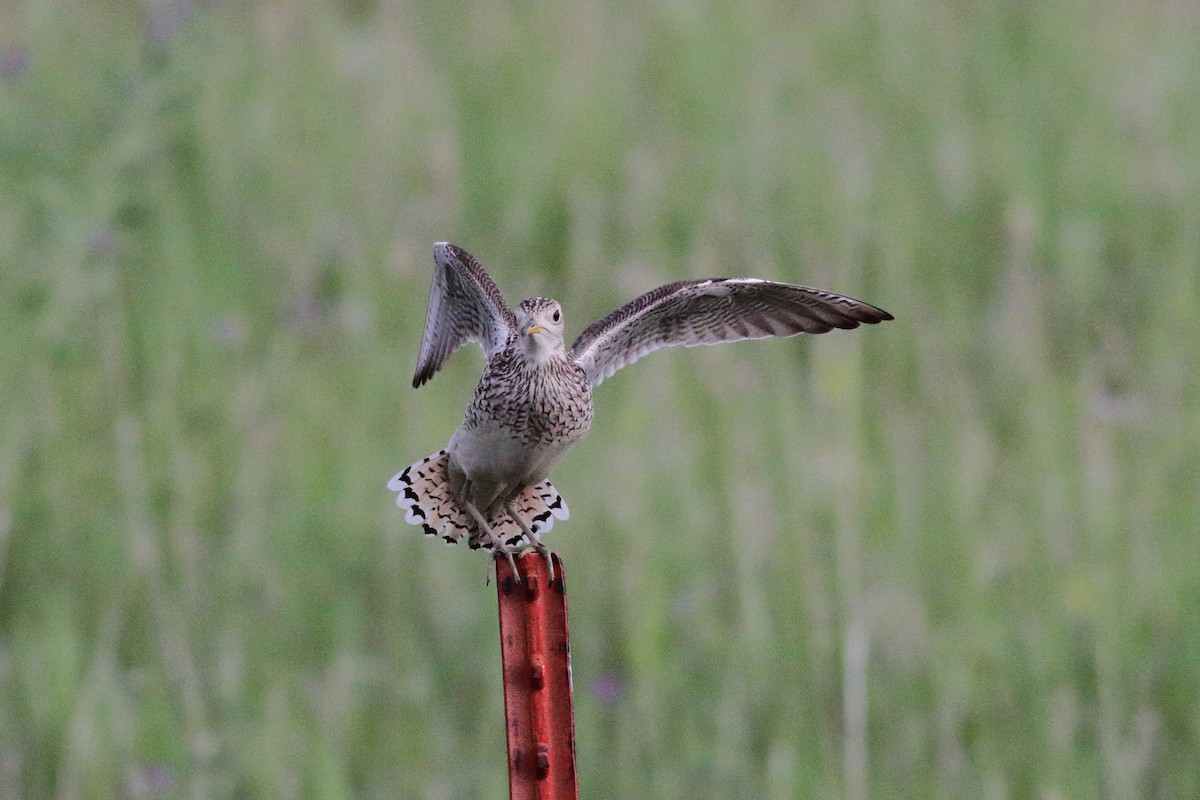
[425, 497]
[539, 506]
[423, 492]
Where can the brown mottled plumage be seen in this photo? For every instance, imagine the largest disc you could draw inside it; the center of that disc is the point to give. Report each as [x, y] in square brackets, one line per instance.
[535, 397]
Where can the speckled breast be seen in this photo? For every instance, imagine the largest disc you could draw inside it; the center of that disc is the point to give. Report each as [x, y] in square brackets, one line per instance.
[549, 403]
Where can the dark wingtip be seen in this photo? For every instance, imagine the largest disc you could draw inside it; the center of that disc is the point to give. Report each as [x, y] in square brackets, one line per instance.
[863, 315]
[874, 315]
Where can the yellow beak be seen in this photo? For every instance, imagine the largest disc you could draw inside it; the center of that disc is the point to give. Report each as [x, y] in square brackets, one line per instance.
[532, 329]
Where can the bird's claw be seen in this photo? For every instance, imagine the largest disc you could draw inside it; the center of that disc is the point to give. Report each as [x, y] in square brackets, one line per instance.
[506, 552]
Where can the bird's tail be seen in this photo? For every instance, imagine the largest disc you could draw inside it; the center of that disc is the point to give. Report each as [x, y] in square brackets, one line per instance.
[423, 491]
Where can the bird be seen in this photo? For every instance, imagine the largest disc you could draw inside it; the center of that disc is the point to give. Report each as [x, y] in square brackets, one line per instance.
[490, 484]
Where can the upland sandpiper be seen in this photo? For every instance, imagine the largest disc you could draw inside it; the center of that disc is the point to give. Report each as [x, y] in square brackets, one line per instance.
[535, 397]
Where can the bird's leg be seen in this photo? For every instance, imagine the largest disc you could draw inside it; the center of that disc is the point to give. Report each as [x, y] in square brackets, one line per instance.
[497, 544]
[534, 540]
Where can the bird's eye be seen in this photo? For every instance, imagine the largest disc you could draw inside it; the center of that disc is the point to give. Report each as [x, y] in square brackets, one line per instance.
[556, 316]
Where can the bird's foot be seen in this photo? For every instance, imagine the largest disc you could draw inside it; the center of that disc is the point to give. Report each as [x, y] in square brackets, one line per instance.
[498, 546]
[536, 546]
[534, 541]
[546, 554]
[498, 552]
[502, 549]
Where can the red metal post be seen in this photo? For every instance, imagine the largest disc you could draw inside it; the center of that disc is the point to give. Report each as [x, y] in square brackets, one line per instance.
[538, 704]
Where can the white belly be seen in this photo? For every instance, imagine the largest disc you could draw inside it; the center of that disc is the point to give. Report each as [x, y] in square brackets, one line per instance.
[488, 454]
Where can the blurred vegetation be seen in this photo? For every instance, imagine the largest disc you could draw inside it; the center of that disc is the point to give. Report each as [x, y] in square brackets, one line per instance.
[952, 556]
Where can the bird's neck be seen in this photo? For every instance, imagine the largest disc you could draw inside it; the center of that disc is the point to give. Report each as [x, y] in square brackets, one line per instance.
[538, 351]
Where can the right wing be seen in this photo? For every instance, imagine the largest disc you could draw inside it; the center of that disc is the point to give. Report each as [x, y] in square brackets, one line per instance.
[464, 305]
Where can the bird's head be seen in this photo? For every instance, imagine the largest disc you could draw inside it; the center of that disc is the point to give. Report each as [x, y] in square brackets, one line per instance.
[540, 328]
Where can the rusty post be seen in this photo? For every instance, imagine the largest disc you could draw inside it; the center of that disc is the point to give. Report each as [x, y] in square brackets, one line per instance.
[538, 705]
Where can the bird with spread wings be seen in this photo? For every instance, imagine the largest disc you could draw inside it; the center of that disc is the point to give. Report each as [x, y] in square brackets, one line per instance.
[534, 399]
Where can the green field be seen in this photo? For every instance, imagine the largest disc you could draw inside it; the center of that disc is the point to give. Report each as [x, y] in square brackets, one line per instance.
[953, 556]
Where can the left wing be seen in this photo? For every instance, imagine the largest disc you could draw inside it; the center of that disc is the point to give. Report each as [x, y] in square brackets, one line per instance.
[696, 312]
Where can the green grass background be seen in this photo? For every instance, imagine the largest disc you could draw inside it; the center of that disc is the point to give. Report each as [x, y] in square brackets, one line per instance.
[955, 556]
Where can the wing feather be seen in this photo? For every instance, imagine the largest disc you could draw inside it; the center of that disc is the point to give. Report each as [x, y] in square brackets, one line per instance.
[464, 305]
[697, 312]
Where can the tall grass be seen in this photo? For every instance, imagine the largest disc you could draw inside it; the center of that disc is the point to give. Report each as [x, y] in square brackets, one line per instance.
[953, 556]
